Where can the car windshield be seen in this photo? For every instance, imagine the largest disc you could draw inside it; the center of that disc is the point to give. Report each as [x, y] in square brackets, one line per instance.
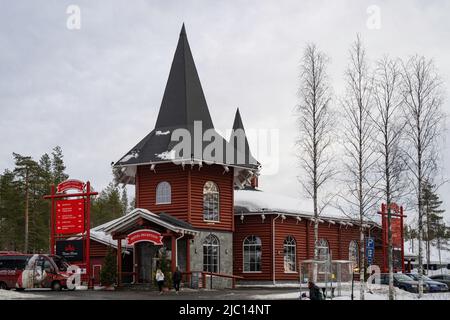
[61, 263]
[415, 276]
[402, 277]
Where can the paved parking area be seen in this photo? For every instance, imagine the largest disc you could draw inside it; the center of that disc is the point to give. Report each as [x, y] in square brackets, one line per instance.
[236, 294]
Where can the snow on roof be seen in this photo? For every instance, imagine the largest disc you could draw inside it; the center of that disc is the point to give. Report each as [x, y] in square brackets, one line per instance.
[259, 201]
[412, 249]
[97, 234]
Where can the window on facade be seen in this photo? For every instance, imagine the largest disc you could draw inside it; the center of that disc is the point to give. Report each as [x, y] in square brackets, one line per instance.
[211, 246]
[353, 252]
[289, 247]
[322, 249]
[252, 254]
[210, 201]
[163, 193]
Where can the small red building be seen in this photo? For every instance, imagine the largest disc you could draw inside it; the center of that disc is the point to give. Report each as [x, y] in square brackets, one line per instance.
[198, 192]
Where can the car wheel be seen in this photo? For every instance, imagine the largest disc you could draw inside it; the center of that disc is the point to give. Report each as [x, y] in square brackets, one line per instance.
[3, 286]
[56, 286]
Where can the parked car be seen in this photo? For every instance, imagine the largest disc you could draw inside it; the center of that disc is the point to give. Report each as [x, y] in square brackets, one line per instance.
[402, 281]
[444, 278]
[24, 271]
[435, 286]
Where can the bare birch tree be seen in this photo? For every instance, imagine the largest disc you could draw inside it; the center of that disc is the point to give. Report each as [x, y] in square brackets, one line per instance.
[389, 124]
[423, 98]
[315, 125]
[358, 142]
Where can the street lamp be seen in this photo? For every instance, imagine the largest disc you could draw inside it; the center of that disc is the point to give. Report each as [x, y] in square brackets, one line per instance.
[353, 278]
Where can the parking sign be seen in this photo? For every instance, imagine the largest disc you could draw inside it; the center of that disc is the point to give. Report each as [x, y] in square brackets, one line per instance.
[370, 250]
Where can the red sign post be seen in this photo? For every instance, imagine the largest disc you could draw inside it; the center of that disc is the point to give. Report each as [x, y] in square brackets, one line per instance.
[396, 213]
[70, 216]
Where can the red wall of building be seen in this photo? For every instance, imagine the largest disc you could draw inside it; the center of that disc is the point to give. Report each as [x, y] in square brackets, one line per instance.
[187, 192]
[253, 225]
[338, 238]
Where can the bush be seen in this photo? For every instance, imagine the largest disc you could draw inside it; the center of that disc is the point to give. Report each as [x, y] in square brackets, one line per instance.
[108, 274]
[165, 267]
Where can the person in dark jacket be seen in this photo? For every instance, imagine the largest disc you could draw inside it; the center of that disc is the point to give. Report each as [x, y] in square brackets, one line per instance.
[176, 280]
[314, 291]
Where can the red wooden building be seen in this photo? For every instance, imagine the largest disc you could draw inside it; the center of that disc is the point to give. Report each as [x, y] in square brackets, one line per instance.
[186, 194]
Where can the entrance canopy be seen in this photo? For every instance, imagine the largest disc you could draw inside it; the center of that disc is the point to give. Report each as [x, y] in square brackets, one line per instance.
[139, 217]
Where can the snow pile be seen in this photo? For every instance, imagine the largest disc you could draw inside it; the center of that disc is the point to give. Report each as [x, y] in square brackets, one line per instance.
[162, 133]
[166, 155]
[131, 155]
[256, 201]
[412, 249]
[13, 295]
[377, 294]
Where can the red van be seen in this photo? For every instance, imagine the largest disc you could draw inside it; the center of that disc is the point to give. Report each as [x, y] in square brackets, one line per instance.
[24, 271]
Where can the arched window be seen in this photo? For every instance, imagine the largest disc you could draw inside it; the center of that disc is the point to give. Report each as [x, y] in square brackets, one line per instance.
[353, 251]
[323, 249]
[163, 193]
[289, 247]
[252, 254]
[210, 201]
[211, 249]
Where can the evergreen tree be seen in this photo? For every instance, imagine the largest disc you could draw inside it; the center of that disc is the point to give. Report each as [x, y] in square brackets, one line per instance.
[58, 166]
[26, 173]
[434, 220]
[108, 274]
[124, 200]
[132, 204]
[107, 206]
[11, 213]
[24, 214]
[435, 228]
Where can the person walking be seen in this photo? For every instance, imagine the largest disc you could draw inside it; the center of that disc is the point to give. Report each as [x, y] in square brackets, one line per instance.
[176, 280]
[314, 292]
[160, 280]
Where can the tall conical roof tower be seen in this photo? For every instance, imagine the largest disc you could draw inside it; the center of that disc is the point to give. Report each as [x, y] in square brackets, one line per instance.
[240, 138]
[183, 101]
[183, 107]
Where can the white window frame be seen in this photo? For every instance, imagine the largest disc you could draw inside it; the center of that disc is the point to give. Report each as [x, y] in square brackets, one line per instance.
[163, 193]
[215, 243]
[290, 243]
[216, 194]
[357, 251]
[243, 254]
[323, 241]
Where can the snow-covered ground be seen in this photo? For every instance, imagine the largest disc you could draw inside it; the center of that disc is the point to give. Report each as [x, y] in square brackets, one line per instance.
[377, 294]
[14, 295]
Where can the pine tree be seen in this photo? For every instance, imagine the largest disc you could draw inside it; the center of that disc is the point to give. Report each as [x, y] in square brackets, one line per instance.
[58, 166]
[124, 200]
[435, 228]
[108, 205]
[108, 274]
[26, 173]
[24, 214]
[11, 213]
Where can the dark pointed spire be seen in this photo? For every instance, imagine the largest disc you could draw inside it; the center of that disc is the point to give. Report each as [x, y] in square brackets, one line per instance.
[237, 124]
[183, 101]
[239, 130]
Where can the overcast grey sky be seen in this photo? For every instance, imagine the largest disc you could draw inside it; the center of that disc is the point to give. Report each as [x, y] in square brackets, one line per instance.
[96, 91]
